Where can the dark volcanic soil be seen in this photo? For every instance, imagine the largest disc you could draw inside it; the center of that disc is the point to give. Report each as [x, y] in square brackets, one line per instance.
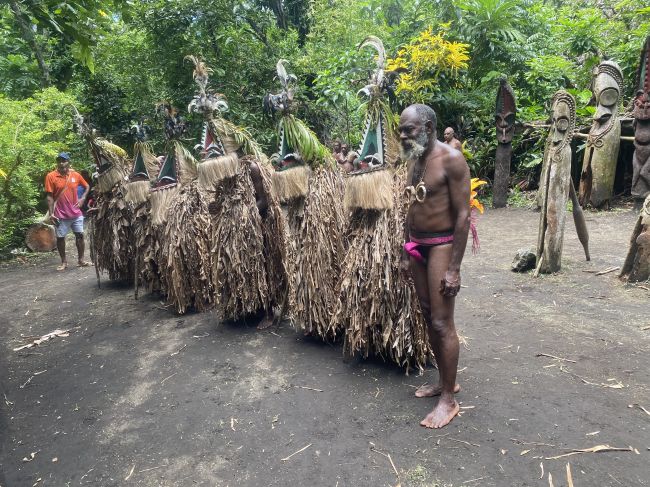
[139, 396]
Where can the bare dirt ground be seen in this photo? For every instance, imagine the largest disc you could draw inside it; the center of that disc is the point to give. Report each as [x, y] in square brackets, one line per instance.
[138, 396]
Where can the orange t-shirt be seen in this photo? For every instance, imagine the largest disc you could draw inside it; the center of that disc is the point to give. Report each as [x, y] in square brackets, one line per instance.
[64, 191]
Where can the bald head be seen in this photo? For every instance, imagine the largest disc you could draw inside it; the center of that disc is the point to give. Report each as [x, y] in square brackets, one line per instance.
[449, 134]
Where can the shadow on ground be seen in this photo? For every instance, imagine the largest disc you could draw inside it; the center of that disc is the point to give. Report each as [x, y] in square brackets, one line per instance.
[139, 396]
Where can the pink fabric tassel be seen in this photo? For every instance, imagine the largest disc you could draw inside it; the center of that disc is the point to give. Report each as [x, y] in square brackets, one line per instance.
[476, 243]
[412, 249]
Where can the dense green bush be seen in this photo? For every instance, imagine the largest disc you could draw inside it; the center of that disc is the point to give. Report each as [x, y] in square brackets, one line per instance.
[119, 58]
[32, 132]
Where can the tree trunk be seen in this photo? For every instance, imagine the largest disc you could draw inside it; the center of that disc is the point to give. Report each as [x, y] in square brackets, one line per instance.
[501, 175]
[28, 35]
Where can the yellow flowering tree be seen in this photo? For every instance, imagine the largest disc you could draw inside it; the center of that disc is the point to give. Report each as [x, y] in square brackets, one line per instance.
[427, 64]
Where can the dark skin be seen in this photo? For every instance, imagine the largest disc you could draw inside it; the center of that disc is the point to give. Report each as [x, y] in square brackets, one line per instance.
[262, 201]
[63, 166]
[446, 207]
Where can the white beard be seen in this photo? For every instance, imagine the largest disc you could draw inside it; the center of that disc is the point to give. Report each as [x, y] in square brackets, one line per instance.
[414, 148]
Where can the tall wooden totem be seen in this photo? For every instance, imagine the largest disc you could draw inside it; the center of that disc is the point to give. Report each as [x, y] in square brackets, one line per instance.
[556, 187]
[504, 118]
[641, 114]
[601, 153]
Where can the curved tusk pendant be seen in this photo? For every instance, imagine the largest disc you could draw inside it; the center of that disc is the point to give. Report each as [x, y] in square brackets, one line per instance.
[420, 192]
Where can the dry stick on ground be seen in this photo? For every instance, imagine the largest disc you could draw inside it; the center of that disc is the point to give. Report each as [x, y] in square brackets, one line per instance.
[46, 337]
[178, 351]
[296, 452]
[308, 388]
[536, 443]
[130, 473]
[569, 477]
[464, 442]
[607, 271]
[387, 455]
[618, 385]
[594, 449]
[31, 377]
[168, 377]
[630, 406]
[553, 356]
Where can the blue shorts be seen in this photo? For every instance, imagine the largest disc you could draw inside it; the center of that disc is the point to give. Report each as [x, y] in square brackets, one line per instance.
[64, 226]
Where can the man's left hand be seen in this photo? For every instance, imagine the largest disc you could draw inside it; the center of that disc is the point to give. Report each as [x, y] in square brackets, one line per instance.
[80, 202]
[450, 285]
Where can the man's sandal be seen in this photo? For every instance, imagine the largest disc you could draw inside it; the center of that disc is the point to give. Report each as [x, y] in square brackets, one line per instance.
[62, 267]
[83, 264]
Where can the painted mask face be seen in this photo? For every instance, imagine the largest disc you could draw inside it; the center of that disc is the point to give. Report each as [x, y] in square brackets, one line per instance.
[607, 94]
[560, 122]
[504, 115]
[505, 127]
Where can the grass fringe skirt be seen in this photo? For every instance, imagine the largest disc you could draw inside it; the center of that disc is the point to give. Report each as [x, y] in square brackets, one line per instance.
[112, 235]
[147, 248]
[248, 272]
[377, 308]
[186, 269]
[319, 251]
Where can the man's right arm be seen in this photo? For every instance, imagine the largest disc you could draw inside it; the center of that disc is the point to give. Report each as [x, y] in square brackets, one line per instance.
[50, 206]
[49, 190]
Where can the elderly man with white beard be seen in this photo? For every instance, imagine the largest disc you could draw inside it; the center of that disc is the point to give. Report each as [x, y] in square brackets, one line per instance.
[436, 230]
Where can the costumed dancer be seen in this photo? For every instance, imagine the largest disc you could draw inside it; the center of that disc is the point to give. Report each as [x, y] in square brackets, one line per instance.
[377, 307]
[111, 236]
[248, 228]
[188, 231]
[177, 171]
[308, 183]
[145, 245]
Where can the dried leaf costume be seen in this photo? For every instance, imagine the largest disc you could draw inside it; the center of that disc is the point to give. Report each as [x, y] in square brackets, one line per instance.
[175, 221]
[110, 221]
[310, 186]
[138, 190]
[377, 308]
[189, 227]
[248, 252]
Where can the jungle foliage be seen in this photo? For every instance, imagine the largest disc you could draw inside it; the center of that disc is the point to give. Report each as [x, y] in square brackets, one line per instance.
[116, 59]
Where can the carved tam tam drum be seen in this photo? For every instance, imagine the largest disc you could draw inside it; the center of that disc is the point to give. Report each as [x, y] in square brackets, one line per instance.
[40, 238]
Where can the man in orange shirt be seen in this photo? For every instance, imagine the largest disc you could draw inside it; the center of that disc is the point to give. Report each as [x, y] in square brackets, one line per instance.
[65, 206]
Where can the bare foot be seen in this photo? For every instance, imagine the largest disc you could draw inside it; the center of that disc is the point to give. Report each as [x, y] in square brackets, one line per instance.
[265, 323]
[427, 390]
[441, 415]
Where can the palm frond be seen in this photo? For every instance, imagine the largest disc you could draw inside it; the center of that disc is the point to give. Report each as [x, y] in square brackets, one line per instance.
[229, 131]
[304, 140]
